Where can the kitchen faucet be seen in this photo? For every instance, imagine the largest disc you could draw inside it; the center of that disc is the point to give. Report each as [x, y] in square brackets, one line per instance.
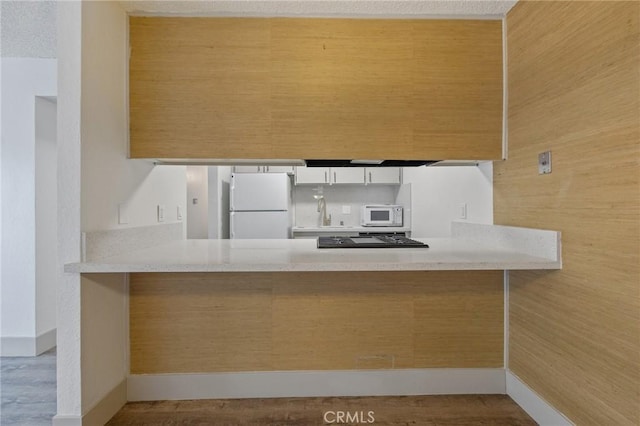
[322, 208]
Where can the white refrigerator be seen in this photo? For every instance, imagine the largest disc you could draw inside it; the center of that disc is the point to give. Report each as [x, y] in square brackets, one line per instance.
[260, 206]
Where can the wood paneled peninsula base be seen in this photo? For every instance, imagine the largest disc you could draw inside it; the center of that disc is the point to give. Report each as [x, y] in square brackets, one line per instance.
[220, 322]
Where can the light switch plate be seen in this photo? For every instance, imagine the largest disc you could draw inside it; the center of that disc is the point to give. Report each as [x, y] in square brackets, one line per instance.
[123, 214]
[160, 212]
[463, 211]
[544, 163]
[346, 209]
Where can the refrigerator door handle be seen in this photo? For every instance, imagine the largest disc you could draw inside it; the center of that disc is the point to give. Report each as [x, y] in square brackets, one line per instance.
[231, 192]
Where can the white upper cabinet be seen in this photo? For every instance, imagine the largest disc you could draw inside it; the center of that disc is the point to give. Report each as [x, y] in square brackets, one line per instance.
[329, 175]
[341, 175]
[348, 175]
[263, 169]
[312, 175]
[247, 169]
[383, 175]
[278, 169]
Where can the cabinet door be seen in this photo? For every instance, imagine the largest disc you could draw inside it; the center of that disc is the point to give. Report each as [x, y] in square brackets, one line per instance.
[248, 169]
[312, 175]
[278, 169]
[341, 88]
[199, 88]
[458, 90]
[340, 175]
[389, 175]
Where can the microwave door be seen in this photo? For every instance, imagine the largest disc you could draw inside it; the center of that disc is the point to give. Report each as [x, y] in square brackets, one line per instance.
[382, 217]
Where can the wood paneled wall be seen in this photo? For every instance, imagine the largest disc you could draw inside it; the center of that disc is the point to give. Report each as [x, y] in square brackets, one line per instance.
[181, 323]
[315, 88]
[574, 88]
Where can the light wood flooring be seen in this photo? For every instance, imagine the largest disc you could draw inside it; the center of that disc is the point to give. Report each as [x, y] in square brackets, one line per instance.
[459, 410]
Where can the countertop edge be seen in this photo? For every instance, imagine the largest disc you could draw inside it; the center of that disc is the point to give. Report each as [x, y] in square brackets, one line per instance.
[88, 268]
[473, 247]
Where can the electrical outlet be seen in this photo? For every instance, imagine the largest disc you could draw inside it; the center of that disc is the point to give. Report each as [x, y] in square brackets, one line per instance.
[160, 212]
[544, 163]
[346, 209]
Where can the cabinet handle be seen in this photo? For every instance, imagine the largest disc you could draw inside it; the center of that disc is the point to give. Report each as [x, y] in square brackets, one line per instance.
[369, 177]
[325, 177]
[334, 177]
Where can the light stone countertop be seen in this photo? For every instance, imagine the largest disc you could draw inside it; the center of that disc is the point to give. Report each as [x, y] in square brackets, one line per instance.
[457, 253]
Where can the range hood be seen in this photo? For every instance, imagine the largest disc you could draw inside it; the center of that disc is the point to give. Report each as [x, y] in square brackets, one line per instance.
[290, 162]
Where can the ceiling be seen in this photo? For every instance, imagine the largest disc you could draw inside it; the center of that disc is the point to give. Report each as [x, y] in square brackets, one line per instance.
[328, 8]
[28, 29]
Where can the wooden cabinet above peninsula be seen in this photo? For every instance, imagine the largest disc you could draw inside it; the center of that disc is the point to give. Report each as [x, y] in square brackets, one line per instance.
[288, 88]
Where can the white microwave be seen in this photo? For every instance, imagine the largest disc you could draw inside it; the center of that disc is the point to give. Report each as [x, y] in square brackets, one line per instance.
[381, 215]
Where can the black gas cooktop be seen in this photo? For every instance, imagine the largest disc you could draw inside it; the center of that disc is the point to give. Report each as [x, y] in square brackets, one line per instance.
[370, 241]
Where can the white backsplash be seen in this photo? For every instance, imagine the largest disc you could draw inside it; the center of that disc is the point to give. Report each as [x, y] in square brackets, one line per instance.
[337, 196]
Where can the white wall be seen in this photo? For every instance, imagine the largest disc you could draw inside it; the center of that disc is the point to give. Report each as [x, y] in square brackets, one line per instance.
[22, 80]
[104, 335]
[28, 30]
[46, 207]
[219, 184]
[198, 201]
[111, 180]
[210, 217]
[108, 179]
[68, 365]
[438, 193]
[213, 217]
[1, 138]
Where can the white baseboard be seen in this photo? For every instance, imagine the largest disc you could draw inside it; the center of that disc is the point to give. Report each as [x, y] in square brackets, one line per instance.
[107, 407]
[46, 341]
[278, 384]
[540, 410]
[28, 346]
[101, 412]
[66, 420]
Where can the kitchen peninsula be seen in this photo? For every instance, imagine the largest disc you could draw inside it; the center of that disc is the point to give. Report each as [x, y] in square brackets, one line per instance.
[267, 318]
